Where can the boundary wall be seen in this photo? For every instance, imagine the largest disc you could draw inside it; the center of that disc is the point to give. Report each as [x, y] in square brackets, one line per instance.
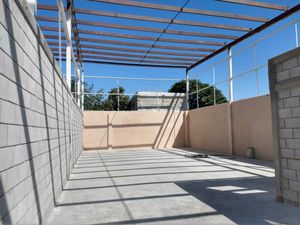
[226, 128]
[40, 123]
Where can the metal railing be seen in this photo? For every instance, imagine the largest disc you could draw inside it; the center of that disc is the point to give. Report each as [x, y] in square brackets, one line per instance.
[254, 70]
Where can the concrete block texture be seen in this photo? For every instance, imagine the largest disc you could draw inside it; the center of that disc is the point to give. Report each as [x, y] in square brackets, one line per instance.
[284, 80]
[40, 124]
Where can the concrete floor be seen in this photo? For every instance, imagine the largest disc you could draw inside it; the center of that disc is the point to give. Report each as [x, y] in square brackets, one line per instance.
[155, 187]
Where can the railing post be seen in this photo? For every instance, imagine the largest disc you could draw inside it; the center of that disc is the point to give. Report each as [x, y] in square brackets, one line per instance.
[230, 97]
[118, 91]
[197, 94]
[78, 87]
[82, 88]
[187, 81]
[33, 6]
[69, 45]
[296, 35]
[256, 71]
[59, 42]
[229, 113]
[214, 83]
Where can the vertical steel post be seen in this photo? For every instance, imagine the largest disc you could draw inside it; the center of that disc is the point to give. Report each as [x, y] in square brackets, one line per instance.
[197, 94]
[230, 80]
[214, 83]
[296, 35]
[59, 41]
[82, 88]
[187, 81]
[256, 72]
[33, 6]
[68, 49]
[157, 100]
[229, 113]
[78, 86]
[118, 92]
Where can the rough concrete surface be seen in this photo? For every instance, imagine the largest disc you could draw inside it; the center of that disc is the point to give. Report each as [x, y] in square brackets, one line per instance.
[151, 186]
[284, 80]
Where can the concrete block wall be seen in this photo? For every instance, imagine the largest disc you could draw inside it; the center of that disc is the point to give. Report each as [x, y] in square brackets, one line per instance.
[40, 123]
[284, 76]
[158, 101]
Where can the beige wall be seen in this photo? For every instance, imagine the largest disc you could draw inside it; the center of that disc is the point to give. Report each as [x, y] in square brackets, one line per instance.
[208, 128]
[134, 129]
[251, 127]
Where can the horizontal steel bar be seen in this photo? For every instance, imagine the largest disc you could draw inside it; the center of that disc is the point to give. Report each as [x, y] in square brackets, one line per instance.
[131, 64]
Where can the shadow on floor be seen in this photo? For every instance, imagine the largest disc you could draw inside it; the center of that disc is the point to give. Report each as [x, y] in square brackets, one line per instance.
[243, 200]
[175, 191]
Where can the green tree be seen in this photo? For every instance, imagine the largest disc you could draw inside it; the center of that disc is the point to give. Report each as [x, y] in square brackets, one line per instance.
[92, 100]
[205, 97]
[112, 101]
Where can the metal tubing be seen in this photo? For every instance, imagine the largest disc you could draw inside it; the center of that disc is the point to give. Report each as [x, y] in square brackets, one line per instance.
[230, 80]
[134, 78]
[69, 46]
[214, 83]
[82, 88]
[118, 95]
[59, 40]
[249, 34]
[187, 89]
[296, 35]
[78, 88]
[197, 94]
[256, 71]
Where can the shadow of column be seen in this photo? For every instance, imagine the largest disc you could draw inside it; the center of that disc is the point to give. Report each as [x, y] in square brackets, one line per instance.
[58, 129]
[46, 120]
[4, 207]
[16, 71]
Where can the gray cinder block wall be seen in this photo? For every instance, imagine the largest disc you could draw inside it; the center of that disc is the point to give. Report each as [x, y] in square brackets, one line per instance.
[40, 124]
[158, 101]
[284, 78]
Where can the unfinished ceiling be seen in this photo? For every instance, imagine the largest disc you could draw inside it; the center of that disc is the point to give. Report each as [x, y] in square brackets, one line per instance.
[164, 39]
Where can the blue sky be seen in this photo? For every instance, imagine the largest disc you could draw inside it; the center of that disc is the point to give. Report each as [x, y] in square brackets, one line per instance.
[244, 87]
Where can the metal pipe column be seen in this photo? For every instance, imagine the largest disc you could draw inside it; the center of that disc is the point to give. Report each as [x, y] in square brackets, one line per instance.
[230, 96]
[187, 81]
[69, 45]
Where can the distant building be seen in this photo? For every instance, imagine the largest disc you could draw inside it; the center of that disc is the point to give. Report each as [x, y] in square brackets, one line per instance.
[161, 101]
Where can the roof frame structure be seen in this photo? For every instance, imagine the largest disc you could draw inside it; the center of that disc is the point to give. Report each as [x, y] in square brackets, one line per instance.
[205, 51]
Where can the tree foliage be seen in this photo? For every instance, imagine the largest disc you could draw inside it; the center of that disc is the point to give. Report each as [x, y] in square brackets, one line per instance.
[205, 97]
[111, 103]
[94, 100]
